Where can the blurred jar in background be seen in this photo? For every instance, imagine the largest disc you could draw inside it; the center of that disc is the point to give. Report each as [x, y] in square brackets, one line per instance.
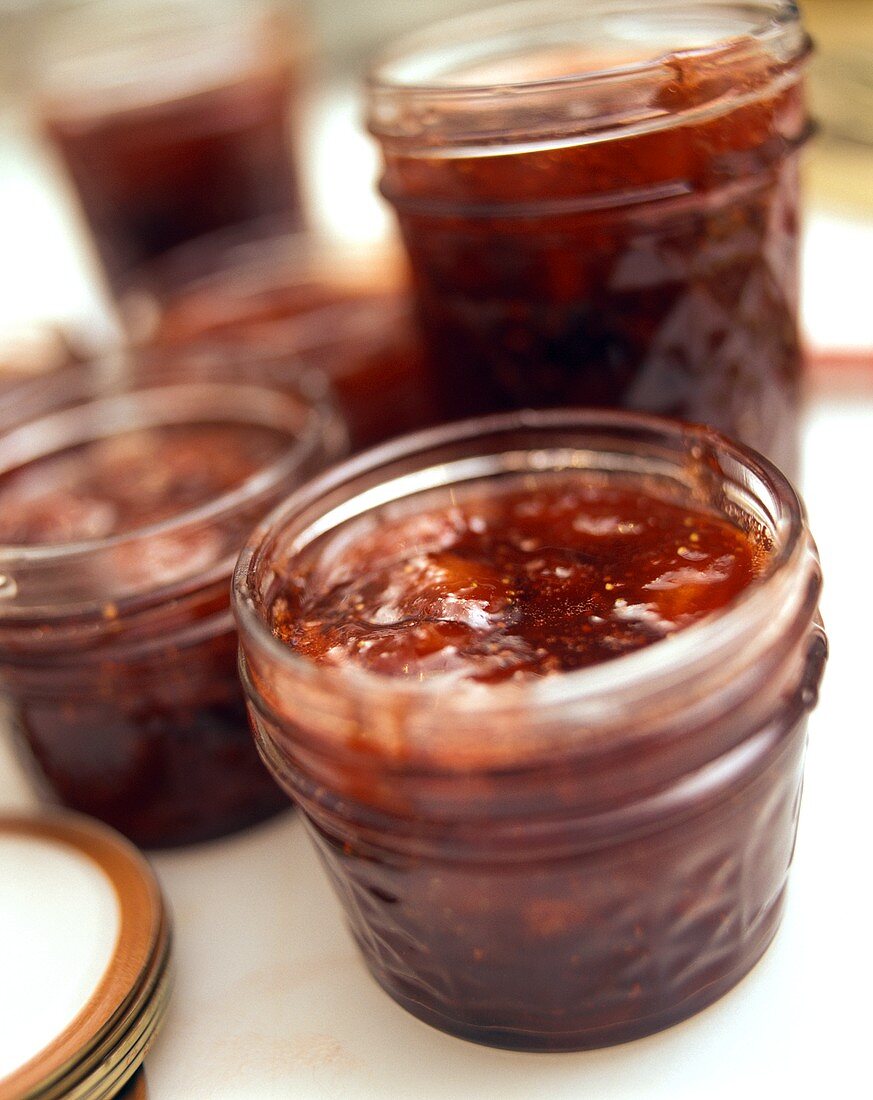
[343, 310]
[173, 119]
[600, 205]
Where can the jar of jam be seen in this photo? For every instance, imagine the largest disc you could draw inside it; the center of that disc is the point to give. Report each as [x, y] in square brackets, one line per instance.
[539, 683]
[172, 119]
[600, 206]
[339, 309]
[124, 499]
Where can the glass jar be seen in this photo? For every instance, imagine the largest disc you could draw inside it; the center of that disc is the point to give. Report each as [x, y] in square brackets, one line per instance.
[575, 860]
[600, 205]
[342, 310]
[172, 119]
[118, 650]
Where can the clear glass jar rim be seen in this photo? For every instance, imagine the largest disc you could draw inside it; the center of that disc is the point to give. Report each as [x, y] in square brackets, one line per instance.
[244, 266]
[409, 109]
[310, 396]
[689, 649]
[778, 26]
[267, 245]
[162, 50]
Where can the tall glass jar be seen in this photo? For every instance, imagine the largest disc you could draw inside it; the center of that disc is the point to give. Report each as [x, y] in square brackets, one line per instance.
[172, 119]
[600, 205]
[118, 650]
[571, 861]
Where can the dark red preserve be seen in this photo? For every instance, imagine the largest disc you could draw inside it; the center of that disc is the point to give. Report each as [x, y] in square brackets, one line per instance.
[525, 582]
[600, 207]
[540, 684]
[173, 121]
[133, 479]
[343, 311]
[120, 517]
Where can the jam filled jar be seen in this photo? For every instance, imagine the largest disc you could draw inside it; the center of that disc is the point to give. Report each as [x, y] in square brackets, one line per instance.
[600, 206]
[172, 119]
[539, 683]
[125, 497]
[342, 310]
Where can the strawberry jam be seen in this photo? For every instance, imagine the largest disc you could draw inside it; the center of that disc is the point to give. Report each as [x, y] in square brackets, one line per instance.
[539, 684]
[341, 310]
[601, 212]
[518, 584]
[120, 517]
[130, 480]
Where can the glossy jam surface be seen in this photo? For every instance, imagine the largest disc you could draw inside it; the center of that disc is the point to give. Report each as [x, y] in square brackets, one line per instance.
[130, 480]
[523, 582]
[150, 176]
[654, 271]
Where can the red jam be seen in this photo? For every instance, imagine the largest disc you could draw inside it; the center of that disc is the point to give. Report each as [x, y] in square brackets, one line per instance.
[117, 648]
[362, 339]
[130, 480]
[653, 269]
[164, 158]
[524, 583]
[540, 691]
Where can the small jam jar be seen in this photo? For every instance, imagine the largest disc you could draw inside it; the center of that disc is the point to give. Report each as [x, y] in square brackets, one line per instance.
[125, 496]
[576, 859]
[172, 119]
[342, 310]
[600, 206]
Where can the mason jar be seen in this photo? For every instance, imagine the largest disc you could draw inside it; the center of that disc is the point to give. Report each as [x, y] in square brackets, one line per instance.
[570, 860]
[600, 206]
[125, 496]
[339, 309]
[172, 119]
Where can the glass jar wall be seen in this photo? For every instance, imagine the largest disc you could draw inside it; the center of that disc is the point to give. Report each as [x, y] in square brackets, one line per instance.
[600, 206]
[172, 119]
